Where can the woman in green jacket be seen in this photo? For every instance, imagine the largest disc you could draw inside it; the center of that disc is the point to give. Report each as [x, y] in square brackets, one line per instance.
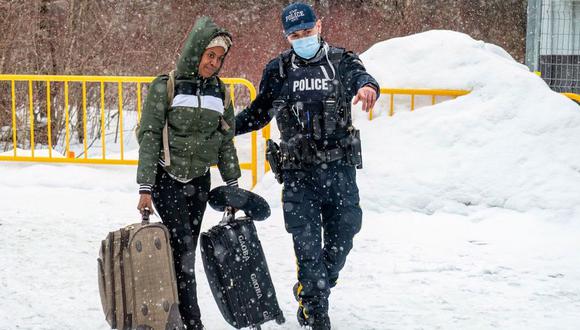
[199, 129]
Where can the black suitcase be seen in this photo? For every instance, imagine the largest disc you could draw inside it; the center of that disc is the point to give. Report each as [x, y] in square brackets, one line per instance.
[238, 274]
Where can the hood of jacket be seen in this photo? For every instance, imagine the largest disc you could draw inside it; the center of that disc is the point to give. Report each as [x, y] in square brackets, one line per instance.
[203, 31]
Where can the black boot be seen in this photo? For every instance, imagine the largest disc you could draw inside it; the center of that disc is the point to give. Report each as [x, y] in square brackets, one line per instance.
[320, 322]
[296, 289]
[301, 317]
[313, 322]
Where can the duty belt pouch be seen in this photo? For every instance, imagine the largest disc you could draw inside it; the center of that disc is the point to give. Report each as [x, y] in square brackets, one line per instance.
[316, 129]
[288, 160]
[278, 105]
[329, 115]
[307, 153]
[273, 157]
[353, 149]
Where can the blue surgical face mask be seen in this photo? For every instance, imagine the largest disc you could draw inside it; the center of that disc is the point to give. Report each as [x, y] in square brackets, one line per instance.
[306, 47]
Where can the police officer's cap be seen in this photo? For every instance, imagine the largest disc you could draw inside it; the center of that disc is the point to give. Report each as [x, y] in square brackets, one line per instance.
[298, 16]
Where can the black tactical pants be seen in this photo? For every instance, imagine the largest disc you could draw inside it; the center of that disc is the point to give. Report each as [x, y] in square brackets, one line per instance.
[181, 207]
[322, 212]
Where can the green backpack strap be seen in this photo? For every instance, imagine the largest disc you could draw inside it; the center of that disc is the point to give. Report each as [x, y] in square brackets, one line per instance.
[165, 138]
[224, 127]
[225, 90]
[227, 97]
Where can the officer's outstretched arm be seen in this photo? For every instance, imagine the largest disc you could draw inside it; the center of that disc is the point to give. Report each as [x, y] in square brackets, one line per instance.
[259, 113]
[354, 75]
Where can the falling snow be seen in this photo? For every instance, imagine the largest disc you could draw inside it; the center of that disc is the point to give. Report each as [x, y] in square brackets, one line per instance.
[471, 210]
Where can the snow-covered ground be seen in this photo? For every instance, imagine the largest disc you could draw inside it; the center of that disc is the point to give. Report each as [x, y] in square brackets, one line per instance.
[471, 210]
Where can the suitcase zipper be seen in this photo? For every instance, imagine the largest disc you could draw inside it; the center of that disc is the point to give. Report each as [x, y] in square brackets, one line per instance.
[229, 294]
[112, 265]
[247, 265]
[124, 239]
[245, 310]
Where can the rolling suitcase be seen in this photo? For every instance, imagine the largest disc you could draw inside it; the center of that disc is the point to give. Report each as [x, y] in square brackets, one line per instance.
[137, 280]
[235, 264]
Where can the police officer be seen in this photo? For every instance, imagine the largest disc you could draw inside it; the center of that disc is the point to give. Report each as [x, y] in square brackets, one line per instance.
[308, 88]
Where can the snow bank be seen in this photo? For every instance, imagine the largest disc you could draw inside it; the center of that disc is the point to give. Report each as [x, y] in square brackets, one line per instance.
[511, 143]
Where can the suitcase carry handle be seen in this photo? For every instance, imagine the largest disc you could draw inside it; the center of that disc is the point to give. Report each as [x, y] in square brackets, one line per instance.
[228, 217]
[145, 216]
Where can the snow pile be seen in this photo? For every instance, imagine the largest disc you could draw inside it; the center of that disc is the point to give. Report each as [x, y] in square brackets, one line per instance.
[511, 143]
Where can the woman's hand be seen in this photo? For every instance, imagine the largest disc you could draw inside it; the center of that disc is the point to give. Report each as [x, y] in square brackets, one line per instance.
[145, 203]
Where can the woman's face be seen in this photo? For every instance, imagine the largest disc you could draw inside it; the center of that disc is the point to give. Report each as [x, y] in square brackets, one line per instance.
[211, 61]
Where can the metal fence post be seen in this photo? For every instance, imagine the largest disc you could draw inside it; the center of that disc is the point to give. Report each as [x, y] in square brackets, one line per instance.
[533, 34]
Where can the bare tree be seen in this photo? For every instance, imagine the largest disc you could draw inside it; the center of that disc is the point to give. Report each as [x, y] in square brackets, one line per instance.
[105, 37]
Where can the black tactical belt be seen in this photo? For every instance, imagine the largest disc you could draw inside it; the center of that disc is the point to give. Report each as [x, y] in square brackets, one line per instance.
[290, 162]
[330, 155]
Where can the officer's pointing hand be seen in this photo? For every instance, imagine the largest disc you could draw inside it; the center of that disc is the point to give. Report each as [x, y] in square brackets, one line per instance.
[368, 96]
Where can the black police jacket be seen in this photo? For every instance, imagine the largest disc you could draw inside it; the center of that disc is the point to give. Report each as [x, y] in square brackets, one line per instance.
[274, 85]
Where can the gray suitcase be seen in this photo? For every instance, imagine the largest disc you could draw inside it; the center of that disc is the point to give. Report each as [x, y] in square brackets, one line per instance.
[137, 278]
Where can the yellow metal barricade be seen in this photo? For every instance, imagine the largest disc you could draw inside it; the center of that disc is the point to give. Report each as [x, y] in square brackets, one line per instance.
[412, 93]
[66, 81]
[572, 96]
[434, 93]
[139, 83]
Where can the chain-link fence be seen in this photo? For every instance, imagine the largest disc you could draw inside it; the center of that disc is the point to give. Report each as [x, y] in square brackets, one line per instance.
[553, 42]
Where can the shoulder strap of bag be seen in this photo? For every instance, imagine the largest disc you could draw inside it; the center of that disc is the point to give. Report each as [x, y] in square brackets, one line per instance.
[227, 97]
[170, 95]
[225, 90]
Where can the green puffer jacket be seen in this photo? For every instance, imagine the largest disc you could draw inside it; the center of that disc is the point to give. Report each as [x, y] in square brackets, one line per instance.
[197, 138]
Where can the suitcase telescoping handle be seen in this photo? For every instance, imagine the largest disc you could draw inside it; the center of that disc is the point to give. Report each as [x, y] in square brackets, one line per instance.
[145, 216]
